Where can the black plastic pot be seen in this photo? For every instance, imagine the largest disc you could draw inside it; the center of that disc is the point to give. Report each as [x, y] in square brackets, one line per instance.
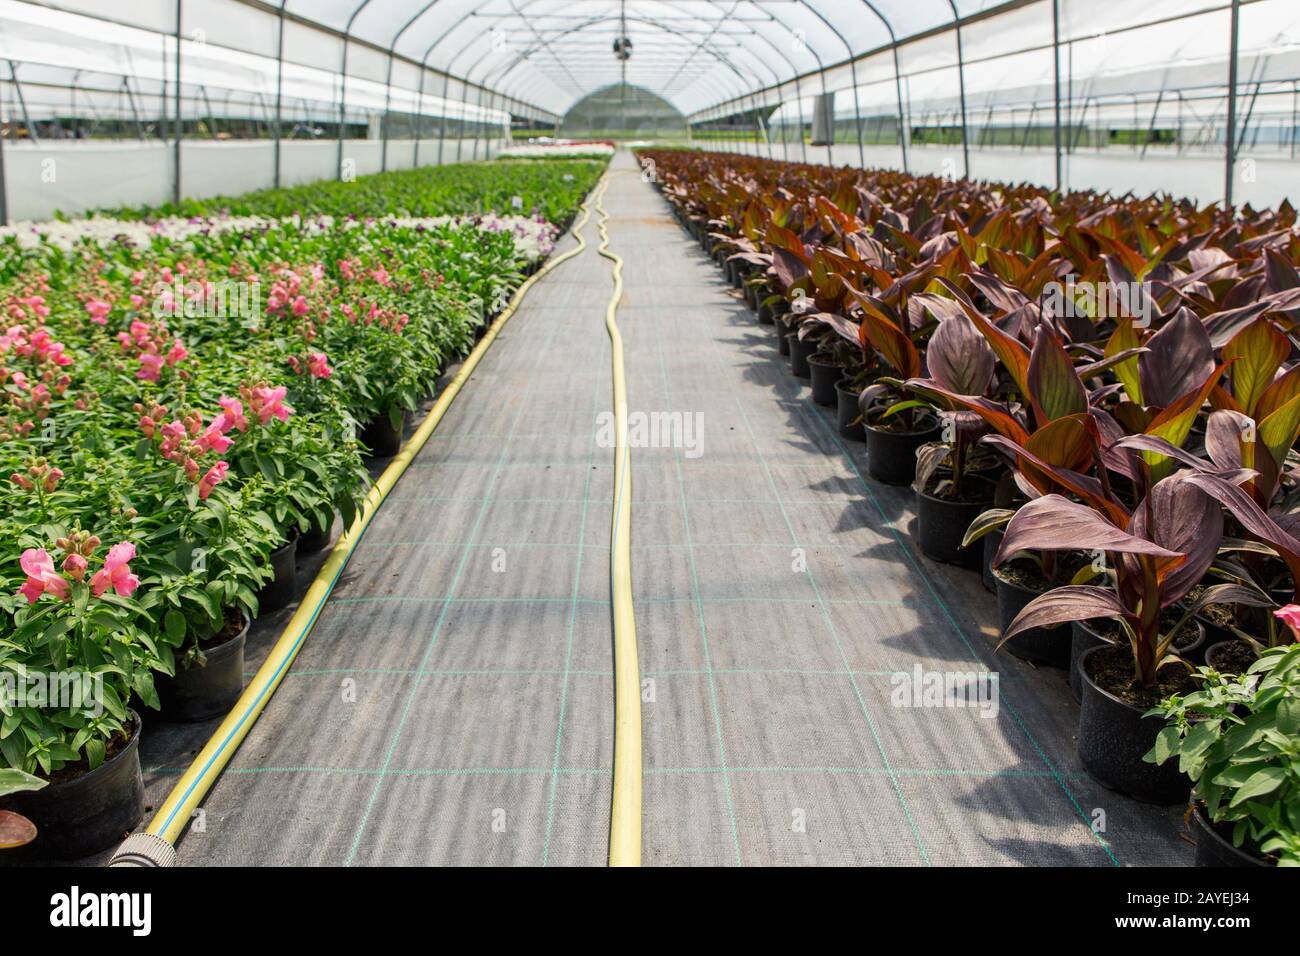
[941, 525]
[1113, 738]
[1214, 850]
[736, 272]
[800, 351]
[751, 297]
[1082, 638]
[200, 693]
[282, 589]
[891, 456]
[824, 376]
[992, 541]
[1040, 645]
[764, 313]
[782, 337]
[1214, 656]
[846, 400]
[314, 540]
[381, 437]
[89, 813]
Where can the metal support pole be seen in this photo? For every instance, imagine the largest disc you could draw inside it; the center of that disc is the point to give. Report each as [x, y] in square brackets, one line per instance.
[4, 190]
[1230, 153]
[1056, 77]
[388, 108]
[180, 128]
[961, 89]
[419, 118]
[279, 95]
[442, 120]
[343, 107]
[460, 125]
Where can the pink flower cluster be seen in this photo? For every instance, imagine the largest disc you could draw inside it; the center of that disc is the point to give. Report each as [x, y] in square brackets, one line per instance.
[289, 292]
[315, 363]
[185, 441]
[39, 474]
[373, 315]
[153, 345]
[42, 578]
[266, 402]
[36, 346]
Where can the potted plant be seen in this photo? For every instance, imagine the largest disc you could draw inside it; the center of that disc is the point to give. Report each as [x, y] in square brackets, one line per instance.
[955, 478]
[895, 426]
[1158, 553]
[79, 643]
[1237, 737]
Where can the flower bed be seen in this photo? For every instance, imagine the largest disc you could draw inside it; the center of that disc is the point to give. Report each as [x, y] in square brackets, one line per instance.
[182, 397]
[552, 191]
[584, 149]
[1110, 384]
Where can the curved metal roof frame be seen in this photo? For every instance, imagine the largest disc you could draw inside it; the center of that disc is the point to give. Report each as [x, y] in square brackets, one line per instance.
[542, 69]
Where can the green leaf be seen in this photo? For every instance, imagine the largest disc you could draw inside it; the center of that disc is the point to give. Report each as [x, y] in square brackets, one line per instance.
[1261, 782]
[174, 625]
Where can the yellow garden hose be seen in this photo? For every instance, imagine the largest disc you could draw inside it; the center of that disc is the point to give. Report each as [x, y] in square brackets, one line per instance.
[155, 847]
[625, 809]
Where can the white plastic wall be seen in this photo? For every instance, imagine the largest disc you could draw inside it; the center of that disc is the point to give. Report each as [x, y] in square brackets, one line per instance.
[74, 177]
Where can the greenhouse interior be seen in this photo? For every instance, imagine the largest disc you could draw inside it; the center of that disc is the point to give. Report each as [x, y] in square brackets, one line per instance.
[682, 433]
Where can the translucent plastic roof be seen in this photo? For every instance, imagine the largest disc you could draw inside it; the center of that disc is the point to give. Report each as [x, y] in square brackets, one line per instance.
[553, 53]
[707, 58]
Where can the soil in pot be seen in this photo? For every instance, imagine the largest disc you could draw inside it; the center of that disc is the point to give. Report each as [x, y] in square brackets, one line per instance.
[1231, 657]
[847, 412]
[84, 811]
[1214, 843]
[200, 692]
[1113, 736]
[800, 351]
[1217, 619]
[891, 449]
[1019, 582]
[382, 437]
[941, 525]
[1085, 635]
[825, 374]
[282, 589]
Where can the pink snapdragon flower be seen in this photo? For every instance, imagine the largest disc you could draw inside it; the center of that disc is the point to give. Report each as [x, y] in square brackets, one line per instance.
[41, 576]
[214, 439]
[232, 415]
[98, 310]
[1291, 615]
[75, 565]
[116, 572]
[318, 365]
[151, 365]
[214, 476]
[268, 403]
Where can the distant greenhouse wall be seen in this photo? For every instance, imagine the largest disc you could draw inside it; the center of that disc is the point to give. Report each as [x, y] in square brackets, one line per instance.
[623, 111]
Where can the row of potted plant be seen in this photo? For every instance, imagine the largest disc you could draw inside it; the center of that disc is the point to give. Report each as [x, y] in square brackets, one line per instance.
[551, 190]
[183, 411]
[1106, 392]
